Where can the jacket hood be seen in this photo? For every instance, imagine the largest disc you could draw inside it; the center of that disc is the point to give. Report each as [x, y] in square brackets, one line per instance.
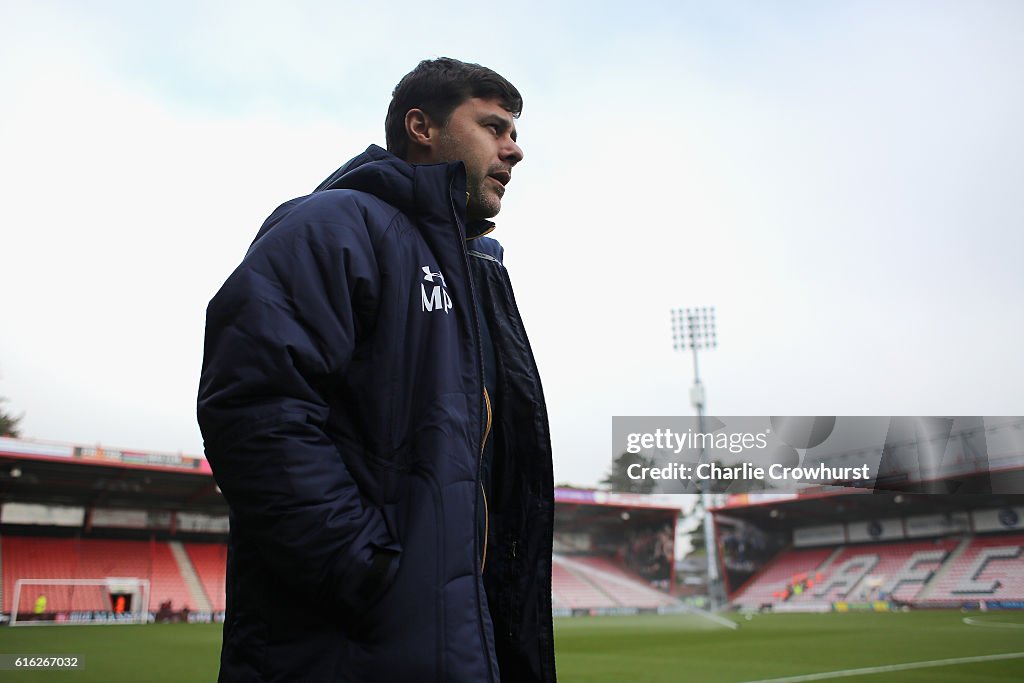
[412, 188]
[378, 172]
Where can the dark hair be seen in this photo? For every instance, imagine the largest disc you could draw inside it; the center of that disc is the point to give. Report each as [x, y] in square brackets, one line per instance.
[438, 86]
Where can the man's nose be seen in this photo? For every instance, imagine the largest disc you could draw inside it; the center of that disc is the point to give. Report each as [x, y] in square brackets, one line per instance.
[512, 153]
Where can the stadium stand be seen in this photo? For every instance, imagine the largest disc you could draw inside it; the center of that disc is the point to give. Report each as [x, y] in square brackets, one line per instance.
[917, 558]
[166, 582]
[76, 558]
[591, 582]
[627, 588]
[865, 571]
[613, 551]
[990, 568]
[937, 571]
[579, 582]
[777, 574]
[210, 562]
[572, 590]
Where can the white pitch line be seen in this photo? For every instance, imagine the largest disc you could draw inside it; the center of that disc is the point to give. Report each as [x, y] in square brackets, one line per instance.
[991, 624]
[844, 673]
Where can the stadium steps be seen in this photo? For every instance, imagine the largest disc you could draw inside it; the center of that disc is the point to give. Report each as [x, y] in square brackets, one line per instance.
[830, 559]
[592, 582]
[949, 563]
[188, 573]
[630, 590]
[210, 560]
[758, 574]
[591, 595]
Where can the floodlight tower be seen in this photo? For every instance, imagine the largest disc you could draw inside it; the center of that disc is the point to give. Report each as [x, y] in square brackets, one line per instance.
[695, 328]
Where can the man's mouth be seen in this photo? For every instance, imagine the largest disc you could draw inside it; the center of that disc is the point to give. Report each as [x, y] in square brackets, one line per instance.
[503, 177]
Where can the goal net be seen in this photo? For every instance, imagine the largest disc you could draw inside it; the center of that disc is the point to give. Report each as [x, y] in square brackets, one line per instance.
[112, 600]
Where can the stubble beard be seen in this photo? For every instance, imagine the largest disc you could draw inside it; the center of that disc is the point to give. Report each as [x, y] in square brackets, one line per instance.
[483, 201]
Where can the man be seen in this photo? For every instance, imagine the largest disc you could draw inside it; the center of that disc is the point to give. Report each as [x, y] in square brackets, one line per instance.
[373, 414]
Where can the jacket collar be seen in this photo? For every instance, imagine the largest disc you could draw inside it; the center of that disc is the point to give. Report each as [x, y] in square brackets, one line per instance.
[478, 229]
[416, 189]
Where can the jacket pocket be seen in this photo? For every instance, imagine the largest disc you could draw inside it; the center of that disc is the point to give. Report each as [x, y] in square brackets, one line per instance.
[401, 636]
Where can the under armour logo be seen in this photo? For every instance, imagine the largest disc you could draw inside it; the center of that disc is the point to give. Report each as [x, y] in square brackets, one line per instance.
[430, 275]
[436, 299]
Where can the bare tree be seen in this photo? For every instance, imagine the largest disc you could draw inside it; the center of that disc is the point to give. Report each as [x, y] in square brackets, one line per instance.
[618, 478]
[8, 422]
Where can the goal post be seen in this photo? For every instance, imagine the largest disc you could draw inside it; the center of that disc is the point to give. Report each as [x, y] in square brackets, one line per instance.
[111, 600]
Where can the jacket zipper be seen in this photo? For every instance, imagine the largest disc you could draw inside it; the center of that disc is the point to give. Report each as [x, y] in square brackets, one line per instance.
[483, 492]
[483, 446]
[487, 399]
[486, 406]
[486, 257]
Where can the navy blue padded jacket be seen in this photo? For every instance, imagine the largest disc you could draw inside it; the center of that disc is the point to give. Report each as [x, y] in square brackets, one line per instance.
[343, 414]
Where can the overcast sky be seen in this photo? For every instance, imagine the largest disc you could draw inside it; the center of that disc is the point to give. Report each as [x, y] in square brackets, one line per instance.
[843, 181]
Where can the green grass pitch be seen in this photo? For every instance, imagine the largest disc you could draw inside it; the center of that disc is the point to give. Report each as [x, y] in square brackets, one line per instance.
[641, 649]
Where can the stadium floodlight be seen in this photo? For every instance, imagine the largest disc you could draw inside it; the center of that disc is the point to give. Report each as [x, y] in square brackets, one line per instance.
[113, 600]
[694, 329]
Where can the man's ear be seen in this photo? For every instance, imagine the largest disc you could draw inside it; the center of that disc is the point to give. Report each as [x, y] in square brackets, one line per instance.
[422, 133]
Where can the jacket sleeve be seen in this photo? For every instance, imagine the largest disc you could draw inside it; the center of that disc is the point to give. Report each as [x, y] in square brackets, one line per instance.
[279, 335]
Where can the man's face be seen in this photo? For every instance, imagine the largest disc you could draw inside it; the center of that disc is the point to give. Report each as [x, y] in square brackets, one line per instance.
[481, 134]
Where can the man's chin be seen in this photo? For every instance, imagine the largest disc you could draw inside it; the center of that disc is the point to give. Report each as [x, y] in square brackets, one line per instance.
[482, 210]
